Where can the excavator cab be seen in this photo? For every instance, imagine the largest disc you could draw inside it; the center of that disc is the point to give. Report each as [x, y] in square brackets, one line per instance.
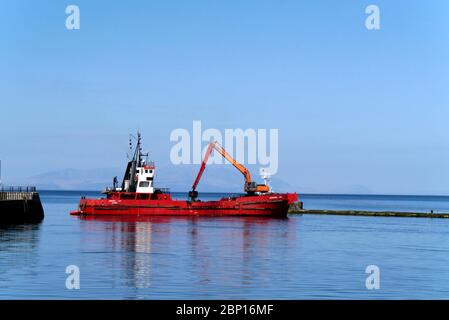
[257, 188]
[193, 195]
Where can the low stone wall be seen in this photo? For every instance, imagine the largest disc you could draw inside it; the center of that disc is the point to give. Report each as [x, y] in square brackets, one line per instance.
[295, 207]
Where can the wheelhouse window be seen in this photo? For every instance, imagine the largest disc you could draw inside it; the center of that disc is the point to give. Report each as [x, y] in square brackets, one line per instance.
[144, 184]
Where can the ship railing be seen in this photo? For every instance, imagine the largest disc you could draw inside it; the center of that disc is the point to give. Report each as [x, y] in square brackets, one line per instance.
[14, 196]
[107, 190]
[17, 189]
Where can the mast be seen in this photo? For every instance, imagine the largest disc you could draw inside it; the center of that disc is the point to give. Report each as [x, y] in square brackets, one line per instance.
[131, 168]
[135, 163]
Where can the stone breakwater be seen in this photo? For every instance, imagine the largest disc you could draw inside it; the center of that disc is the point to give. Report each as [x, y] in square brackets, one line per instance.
[297, 208]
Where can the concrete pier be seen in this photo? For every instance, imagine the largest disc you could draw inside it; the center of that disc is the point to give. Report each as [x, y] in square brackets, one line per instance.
[20, 205]
[297, 208]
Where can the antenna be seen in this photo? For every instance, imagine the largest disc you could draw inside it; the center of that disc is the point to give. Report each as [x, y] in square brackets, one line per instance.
[0, 173]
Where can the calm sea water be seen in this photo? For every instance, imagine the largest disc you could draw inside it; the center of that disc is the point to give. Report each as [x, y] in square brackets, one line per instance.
[302, 257]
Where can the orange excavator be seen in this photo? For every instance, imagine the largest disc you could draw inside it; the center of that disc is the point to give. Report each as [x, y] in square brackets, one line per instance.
[250, 187]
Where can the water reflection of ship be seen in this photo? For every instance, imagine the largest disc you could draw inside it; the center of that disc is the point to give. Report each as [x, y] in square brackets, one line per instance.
[130, 243]
[170, 253]
[138, 243]
[240, 242]
[241, 251]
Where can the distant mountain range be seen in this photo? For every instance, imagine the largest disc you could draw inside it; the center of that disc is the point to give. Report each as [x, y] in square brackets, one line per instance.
[73, 179]
[216, 178]
[223, 178]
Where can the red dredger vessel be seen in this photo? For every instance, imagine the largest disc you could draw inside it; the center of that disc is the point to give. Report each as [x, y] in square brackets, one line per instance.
[138, 197]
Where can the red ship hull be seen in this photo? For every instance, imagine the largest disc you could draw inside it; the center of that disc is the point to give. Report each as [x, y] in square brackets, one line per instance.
[273, 204]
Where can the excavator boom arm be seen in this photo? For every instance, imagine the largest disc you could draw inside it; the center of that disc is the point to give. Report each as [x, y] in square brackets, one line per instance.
[234, 162]
[203, 166]
[227, 156]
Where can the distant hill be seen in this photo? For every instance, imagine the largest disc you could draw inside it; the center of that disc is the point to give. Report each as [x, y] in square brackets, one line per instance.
[216, 178]
[73, 179]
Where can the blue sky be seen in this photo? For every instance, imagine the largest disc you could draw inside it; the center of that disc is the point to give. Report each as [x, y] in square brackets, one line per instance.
[357, 110]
